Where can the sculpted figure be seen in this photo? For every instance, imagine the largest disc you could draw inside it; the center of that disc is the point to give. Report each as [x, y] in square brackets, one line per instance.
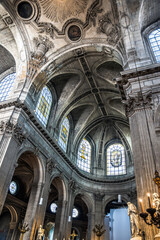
[156, 201]
[40, 233]
[134, 219]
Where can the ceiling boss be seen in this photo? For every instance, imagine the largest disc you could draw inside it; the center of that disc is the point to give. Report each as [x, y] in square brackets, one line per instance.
[60, 10]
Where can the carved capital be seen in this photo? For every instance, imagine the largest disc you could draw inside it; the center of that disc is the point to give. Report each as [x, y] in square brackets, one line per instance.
[99, 196]
[138, 102]
[13, 129]
[50, 165]
[73, 185]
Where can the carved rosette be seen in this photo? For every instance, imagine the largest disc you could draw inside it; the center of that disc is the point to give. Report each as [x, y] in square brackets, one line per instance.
[138, 102]
[13, 129]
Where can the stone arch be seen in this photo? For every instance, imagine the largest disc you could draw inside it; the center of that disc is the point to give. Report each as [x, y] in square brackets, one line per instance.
[106, 200]
[14, 216]
[87, 199]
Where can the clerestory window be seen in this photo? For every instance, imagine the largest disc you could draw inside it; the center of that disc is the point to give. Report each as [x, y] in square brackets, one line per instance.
[5, 86]
[116, 162]
[154, 39]
[64, 133]
[44, 106]
[84, 155]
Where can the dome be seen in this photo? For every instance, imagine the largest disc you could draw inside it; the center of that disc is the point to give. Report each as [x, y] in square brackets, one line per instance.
[149, 13]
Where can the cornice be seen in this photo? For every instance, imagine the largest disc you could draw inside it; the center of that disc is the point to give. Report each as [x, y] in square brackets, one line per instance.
[56, 148]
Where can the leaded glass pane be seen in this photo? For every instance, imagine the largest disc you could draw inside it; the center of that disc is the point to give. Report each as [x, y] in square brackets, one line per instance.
[154, 39]
[44, 106]
[13, 188]
[84, 155]
[116, 163]
[6, 85]
[64, 132]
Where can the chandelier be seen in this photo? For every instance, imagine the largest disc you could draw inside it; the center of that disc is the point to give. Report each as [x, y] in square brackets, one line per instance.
[152, 214]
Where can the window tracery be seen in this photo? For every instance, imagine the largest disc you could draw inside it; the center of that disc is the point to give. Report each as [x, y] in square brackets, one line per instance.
[5, 86]
[154, 39]
[84, 155]
[64, 133]
[116, 162]
[44, 106]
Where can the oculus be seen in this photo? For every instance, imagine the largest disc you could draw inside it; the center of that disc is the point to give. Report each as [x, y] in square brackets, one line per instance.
[75, 213]
[60, 10]
[53, 207]
[74, 33]
[13, 187]
[25, 10]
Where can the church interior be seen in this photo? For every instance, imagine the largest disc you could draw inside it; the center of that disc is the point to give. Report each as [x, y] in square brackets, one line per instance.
[79, 119]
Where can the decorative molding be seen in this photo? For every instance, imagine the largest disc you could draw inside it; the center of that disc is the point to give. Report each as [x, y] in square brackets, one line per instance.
[14, 129]
[59, 11]
[108, 26]
[99, 196]
[138, 102]
[50, 165]
[56, 148]
[42, 44]
[38, 58]
[50, 29]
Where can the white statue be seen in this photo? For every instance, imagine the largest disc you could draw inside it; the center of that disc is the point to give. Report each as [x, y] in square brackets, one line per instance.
[134, 220]
[40, 233]
[156, 201]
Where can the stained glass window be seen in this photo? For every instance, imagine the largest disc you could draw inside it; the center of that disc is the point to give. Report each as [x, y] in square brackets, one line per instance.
[154, 39]
[64, 132]
[75, 213]
[13, 188]
[44, 105]
[6, 85]
[84, 155]
[116, 162]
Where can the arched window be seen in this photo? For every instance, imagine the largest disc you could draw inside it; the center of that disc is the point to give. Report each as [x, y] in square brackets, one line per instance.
[64, 133]
[44, 105]
[116, 162]
[154, 39]
[6, 85]
[84, 155]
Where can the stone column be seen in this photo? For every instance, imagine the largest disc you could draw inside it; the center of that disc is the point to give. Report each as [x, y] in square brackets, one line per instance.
[32, 210]
[145, 150]
[41, 209]
[9, 147]
[91, 225]
[72, 187]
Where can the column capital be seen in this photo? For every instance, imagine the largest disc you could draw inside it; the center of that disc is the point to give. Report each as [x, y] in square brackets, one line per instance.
[137, 102]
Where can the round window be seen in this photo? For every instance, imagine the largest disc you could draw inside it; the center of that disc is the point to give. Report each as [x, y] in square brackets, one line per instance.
[74, 33]
[53, 207]
[13, 188]
[25, 10]
[75, 213]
